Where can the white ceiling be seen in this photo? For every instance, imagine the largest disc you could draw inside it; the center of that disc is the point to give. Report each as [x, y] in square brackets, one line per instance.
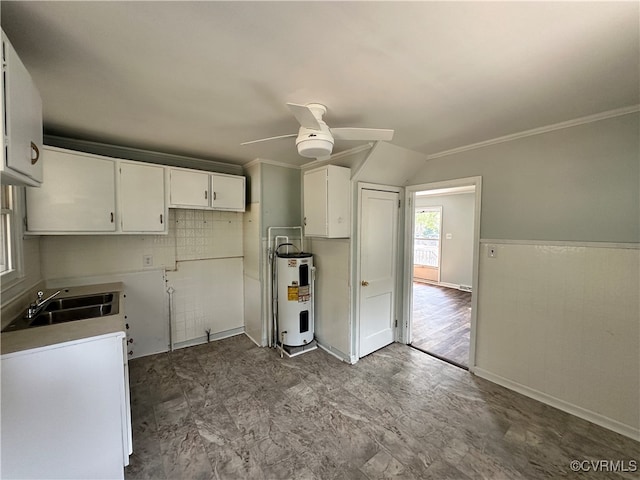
[198, 78]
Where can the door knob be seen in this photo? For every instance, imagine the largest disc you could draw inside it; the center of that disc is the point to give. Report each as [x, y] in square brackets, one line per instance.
[364, 283]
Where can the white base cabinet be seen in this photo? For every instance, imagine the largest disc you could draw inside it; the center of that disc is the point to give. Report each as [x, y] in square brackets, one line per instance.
[21, 122]
[63, 418]
[327, 202]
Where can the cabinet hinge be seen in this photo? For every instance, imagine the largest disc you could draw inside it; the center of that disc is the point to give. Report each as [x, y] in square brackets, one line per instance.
[396, 323]
[398, 203]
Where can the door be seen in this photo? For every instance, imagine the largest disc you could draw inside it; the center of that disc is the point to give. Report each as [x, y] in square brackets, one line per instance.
[142, 198]
[378, 268]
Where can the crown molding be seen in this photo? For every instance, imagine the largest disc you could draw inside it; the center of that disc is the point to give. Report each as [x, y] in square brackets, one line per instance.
[141, 155]
[540, 130]
[258, 161]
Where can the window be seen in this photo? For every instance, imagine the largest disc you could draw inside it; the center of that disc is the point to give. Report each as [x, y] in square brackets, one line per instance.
[10, 260]
[426, 246]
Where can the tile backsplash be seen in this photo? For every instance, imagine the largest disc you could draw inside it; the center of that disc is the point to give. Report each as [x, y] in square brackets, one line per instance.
[193, 235]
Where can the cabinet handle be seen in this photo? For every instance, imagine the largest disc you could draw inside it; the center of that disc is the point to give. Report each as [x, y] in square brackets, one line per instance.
[127, 326]
[111, 217]
[205, 194]
[161, 221]
[130, 340]
[214, 195]
[34, 148]
[130, 352]
[364, 283]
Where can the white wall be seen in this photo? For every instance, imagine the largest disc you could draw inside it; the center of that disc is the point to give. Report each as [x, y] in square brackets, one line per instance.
[456, 263]
[252, 246]
[558, 308]
[333, 295]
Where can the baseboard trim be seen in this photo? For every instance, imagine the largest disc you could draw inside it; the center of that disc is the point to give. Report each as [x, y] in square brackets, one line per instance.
[214, 336]
[576, 410]
[335, 352]
[252, 339]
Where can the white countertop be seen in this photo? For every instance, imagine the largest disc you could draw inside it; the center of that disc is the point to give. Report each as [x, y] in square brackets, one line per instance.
[63, 332]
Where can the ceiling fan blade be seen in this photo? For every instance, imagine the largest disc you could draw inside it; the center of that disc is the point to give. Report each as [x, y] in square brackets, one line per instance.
[304, 116]
[362, 134]
[270, 138]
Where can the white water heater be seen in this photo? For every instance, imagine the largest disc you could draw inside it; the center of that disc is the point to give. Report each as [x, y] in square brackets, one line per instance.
[295, 275]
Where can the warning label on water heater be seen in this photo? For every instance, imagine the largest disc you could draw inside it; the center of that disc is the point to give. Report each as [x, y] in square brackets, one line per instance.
[292, 293]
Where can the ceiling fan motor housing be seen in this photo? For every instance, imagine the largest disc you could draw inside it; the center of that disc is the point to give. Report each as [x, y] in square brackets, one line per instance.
[314, 143]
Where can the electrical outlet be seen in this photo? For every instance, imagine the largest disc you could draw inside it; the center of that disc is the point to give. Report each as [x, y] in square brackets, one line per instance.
[492, 252]
[147, 260]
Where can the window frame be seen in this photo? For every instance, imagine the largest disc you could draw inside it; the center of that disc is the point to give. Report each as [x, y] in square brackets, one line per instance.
[15, 273]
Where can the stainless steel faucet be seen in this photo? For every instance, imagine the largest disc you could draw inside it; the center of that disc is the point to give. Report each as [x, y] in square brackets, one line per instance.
[36, 307]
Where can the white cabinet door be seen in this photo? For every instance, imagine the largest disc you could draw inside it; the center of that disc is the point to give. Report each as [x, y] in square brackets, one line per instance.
[327, 202]
[315, 203]
[188, 188]
[78, 196]
[142, 198]
[228, 192]
[22, 109]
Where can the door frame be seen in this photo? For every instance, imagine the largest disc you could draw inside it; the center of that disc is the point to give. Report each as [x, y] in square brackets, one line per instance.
[405, 333]
[356, 273]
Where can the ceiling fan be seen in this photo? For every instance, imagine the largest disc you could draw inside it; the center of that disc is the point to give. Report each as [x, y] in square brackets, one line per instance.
[315, 138]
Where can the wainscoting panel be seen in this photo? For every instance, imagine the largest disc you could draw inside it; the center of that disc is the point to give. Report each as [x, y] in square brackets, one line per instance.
[564, 321]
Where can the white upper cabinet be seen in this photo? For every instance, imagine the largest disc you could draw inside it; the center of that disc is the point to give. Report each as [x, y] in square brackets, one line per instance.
[21, 122]
[89, 194]
[79, 195]
[327, 202]
[228, 192]
[188, 188]
[211, 191]
[142, 198]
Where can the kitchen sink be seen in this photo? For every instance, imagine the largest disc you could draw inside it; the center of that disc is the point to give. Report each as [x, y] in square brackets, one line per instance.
[71, 314]
[62, 310]
[76, 302]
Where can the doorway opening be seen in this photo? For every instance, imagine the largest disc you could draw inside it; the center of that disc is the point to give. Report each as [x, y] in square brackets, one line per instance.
[443, 249]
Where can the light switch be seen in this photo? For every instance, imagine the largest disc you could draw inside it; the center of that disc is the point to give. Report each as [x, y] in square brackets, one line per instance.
[147, 260]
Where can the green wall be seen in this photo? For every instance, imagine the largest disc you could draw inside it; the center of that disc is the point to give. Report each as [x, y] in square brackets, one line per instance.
[575, 184]
[281, 198]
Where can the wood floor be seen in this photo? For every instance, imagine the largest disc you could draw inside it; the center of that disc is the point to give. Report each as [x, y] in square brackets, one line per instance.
[231, 410]
[441, 321]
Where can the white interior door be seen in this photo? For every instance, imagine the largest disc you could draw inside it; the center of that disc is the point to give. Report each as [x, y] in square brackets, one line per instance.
[378, 257]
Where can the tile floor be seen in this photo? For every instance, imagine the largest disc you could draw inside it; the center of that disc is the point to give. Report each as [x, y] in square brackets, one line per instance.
[442, 321]
[231, 410]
